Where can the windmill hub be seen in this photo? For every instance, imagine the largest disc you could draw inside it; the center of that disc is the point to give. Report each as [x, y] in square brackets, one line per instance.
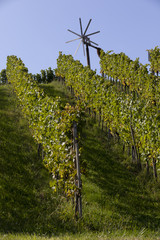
[87, 40]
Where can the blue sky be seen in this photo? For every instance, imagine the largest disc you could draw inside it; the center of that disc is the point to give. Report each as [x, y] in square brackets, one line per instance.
[36, 30]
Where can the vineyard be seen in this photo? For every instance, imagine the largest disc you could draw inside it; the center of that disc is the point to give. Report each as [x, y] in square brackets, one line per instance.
[105, 126]
[127, 101]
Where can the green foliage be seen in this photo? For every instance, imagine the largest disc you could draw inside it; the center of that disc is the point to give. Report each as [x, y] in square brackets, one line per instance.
[154, 59]
[116, 203]
[43, 76]
[46, 76]
[27, 203]
[49, 75]
[51, 125]
[3, 77]
[128, 101]
[139, 107]
[38, 78]
[115, 196]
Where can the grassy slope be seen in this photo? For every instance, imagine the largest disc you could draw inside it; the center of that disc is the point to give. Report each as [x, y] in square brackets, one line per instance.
[114, 200]
[84, 236]
[26, 200]
[115, 197]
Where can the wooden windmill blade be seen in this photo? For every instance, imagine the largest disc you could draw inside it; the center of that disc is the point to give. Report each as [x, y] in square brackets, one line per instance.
[80, 22]
[87, 26]
[78, 47]
[92, 33]
[73, 40]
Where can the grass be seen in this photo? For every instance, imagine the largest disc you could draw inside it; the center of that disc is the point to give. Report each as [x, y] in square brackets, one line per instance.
[84, 236]
[114, 195]
[116, 189]
[110, 183]
[55, 89]
[27, 203]
[118, 203]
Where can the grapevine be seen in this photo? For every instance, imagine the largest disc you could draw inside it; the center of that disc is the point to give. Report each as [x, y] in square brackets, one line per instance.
[50, 123]
[128, 99]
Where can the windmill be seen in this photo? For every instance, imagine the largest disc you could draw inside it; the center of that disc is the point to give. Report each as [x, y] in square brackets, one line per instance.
[85, 40]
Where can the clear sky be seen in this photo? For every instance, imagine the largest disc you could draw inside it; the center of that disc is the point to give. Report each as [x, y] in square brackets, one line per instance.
[36, 30]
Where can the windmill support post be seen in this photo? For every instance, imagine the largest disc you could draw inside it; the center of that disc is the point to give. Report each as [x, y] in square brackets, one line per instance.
[88, 57]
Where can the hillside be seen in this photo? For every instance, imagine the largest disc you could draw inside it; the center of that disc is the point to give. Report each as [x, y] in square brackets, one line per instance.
[26, 200]
[115, 196]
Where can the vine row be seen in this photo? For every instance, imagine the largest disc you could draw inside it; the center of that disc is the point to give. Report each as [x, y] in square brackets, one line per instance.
[127, 100]
[51, 126]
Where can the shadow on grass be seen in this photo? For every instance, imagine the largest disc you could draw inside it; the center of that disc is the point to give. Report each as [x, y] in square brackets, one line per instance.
[27, 203]
[121, 194]
[119, 191]
[55, 89]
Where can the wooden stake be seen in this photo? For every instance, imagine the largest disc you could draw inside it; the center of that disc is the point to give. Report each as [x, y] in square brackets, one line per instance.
[154, 168]
[78, 198]
[135, 149]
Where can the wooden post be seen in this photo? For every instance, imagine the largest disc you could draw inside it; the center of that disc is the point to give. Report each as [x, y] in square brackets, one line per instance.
[135, 149]
[124, 147]
[154, 168]
[129, 150]
[99, 124]
[147, 167]
[40, 151]
[78, 198]
[133, 155]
